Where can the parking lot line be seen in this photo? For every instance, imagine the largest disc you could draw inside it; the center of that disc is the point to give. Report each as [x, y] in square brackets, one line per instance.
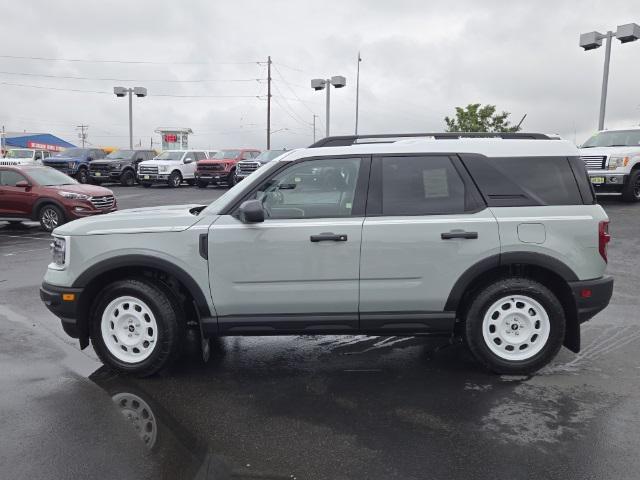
[24, 236]
[24, 251]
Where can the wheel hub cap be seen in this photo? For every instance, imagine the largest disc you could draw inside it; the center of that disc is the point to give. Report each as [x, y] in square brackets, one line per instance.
[516, 327]
[129, 329]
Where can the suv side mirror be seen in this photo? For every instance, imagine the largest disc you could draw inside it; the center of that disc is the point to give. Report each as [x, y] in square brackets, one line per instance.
[188, 160]
[251, 211]
[23, 184]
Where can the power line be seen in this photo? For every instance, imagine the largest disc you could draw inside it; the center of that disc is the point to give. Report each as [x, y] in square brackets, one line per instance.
[142, 62]
[68, 77]
[293, 113]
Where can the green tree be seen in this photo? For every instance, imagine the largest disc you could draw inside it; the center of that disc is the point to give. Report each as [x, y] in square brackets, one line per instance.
[477, 118]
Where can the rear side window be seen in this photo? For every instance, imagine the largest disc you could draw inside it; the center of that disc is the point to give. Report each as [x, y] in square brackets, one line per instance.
[520, 181]
[421, 185]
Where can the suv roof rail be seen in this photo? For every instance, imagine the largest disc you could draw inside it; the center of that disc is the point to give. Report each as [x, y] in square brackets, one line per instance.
[347, 140]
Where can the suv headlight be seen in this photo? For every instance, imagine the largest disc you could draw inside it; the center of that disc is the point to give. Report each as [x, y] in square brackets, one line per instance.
[116, 166]
[72, 164]
[73, 195]
[163, 168]
[59, 257]
[618, 161]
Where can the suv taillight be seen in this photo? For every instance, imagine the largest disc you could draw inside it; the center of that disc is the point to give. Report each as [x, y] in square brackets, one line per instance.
[603, 238]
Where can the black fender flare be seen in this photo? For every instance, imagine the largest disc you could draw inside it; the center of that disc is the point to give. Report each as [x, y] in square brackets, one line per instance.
[505, 259]
[139, 260]
[43, 201]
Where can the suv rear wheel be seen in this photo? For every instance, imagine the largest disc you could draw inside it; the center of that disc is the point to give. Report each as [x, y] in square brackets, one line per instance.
[175, 179]
[631, 191]
[136, 327]
[515, 326]
[50, 217]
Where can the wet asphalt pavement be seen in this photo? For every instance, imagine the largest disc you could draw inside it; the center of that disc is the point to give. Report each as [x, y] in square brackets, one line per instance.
[324, 407]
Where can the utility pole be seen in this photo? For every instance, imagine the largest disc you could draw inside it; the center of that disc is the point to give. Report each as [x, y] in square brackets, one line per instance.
[83, 134]
[314, 127]
[268, 102]
[358, 90]
[2, 152]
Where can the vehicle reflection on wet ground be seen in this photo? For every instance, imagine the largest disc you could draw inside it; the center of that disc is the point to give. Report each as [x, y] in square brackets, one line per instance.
[325, 407]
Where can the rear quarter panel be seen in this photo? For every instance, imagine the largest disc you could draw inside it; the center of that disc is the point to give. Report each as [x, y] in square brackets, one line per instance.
[570, 234]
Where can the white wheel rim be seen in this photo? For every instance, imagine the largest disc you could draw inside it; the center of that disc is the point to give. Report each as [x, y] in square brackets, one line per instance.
[138, 412]
[129, 329]
[516, 327]
[50, 218]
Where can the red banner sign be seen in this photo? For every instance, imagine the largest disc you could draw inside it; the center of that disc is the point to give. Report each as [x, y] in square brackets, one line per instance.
[45, 146]
[170, 138]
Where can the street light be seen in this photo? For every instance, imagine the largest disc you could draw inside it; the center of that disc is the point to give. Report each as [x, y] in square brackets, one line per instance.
[138, 92]
[320, 84]
[592, 40]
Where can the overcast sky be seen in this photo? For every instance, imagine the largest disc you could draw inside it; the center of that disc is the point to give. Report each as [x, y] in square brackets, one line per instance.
[420, 60]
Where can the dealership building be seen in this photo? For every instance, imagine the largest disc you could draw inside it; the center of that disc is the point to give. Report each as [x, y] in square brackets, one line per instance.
[42, 141]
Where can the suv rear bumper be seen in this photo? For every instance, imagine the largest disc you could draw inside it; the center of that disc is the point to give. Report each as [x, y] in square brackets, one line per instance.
[591, 296]
[66, 310]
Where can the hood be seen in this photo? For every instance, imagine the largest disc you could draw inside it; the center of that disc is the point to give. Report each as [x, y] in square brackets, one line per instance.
[107, 161]
[216, 161]
[93, 190]
[606, 151]
[171, 218]
[161, 162]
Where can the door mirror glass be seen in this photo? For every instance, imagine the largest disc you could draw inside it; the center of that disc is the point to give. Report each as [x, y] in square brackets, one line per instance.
[23, 184]
[251, 211]
[188, 160]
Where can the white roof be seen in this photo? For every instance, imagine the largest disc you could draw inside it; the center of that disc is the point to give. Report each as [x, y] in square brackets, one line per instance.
[490, 147]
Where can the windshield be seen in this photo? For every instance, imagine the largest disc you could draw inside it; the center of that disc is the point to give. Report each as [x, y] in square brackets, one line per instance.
[71, 152]
[170, 156]
[619, 138]
[19, 154]
[226, 154]
[48, 177]
[269, 155]
[121, 155]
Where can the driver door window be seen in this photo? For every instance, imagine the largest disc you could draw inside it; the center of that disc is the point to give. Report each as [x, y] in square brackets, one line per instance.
[323, 188]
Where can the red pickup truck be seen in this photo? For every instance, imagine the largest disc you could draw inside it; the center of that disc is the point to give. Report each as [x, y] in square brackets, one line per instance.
[220, 168]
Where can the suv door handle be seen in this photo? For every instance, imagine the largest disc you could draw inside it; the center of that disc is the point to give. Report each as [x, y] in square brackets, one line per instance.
[459, 234]
[328, 237]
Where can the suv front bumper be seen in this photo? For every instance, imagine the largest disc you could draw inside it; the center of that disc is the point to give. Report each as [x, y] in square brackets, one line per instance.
[591, 296]
[64, 303]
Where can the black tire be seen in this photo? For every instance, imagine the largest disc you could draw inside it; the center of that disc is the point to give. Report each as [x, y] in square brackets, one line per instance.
[128, 178]
[631, 190]
[175, 179]
[169, 319]
[50, 217]
[486, 297]
[146, 185]
[191, 182]
[231, 179]
[96, 182]
[83, 175]
[202, 184]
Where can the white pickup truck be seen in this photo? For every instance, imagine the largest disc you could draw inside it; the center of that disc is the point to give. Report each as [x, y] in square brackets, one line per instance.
[612, 158]
[24, 156]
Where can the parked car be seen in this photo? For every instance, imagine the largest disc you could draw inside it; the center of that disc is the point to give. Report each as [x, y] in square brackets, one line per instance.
[24, 156]
[244, 168]
[74, 162]
[171, 167]
[496, 240]
[40, 193]
[612, 158]
[119, 166]
[221, 168]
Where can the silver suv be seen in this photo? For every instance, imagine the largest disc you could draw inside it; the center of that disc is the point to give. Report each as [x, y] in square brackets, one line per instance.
[497, 240]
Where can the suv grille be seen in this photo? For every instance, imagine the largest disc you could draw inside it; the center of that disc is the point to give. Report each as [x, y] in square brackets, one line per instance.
[149, 170]
[594, 162]
[106, 201]
[12, 162]
[214, 167]
[248, 167]
[99, 167]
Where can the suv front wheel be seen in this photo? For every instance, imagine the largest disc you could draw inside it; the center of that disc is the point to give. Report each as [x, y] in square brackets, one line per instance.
[631, 190]
[515, 326]
[175, 179]
[136, 327]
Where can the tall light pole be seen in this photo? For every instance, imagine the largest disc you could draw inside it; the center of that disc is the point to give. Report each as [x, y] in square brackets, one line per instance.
[138, 92]
[592, 40]
[358, 90]
[320, 84]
